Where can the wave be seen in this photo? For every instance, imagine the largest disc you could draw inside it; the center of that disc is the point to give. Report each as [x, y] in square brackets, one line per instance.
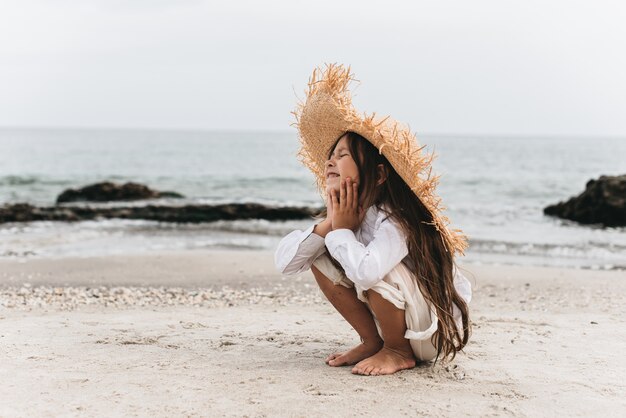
[95, 236]
[583, 250]
[262, 181]
[30, 180]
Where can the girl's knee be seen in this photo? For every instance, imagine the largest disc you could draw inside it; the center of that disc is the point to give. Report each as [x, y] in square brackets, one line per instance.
[326, 272]
[319, 276]
[383, 296]
[322, 279]
[372, 293]
[315, 270]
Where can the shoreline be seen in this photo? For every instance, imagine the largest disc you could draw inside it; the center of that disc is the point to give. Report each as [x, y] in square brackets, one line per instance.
[545, 342]
[198, 268]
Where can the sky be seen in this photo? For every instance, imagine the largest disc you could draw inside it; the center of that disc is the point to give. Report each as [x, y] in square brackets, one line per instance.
[554, 68]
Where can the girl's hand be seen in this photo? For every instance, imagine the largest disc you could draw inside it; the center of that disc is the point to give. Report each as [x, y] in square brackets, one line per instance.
[346, 212]
[329, 208]
[326, 225]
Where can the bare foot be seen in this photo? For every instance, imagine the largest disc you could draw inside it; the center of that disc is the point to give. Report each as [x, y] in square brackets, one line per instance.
[386, 361]
[354, 355]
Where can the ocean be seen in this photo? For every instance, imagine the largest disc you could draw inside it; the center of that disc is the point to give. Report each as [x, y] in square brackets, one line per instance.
[494, 189]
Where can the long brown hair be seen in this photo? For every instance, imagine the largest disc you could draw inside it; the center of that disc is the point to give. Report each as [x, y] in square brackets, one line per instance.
[434, 265]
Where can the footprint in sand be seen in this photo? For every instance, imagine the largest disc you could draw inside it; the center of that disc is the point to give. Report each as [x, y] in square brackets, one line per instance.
[136, 340]
[316, 391]
[191, 325]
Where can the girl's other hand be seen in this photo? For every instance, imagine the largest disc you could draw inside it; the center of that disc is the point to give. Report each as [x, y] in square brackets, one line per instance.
[329, 207]
[346, 212]
[326, 225]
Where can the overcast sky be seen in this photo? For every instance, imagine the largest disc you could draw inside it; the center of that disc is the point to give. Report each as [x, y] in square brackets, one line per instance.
[444, 67]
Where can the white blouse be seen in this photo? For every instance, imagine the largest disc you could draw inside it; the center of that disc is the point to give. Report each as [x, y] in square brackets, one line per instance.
[366, 255]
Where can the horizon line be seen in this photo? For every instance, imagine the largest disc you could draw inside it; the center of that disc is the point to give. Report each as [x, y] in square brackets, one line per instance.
[250, 130]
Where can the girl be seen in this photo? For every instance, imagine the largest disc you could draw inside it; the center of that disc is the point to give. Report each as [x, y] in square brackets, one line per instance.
[381, 255]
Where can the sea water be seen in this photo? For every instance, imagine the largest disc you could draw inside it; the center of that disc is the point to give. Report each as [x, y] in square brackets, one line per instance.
[494, 189]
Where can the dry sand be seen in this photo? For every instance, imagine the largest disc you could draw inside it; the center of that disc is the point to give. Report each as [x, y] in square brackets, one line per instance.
[222, 334]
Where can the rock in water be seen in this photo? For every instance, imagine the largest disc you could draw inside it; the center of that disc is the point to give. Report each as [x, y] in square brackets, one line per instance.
[109, 192]
[22, 212]
[602, 202]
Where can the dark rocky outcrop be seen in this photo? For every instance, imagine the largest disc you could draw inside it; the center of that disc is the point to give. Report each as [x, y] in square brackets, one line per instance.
[602, 202]
[22, 212]
[111, 192]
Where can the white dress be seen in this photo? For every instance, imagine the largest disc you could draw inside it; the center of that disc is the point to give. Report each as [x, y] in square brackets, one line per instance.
[374, 257]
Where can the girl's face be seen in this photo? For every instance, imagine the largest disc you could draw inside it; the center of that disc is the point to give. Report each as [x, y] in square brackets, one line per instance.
[340, 165]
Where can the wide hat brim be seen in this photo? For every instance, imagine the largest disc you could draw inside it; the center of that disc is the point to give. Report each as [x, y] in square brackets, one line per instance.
[327, 113]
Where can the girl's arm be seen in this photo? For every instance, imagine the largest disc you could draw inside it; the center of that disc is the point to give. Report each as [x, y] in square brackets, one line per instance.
[297, 251]
[367, 265]
[462, 285]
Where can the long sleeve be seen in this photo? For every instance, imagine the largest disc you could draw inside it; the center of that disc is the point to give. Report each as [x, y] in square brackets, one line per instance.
[462, 285]
[297, 251]
[367, 265]
[464, 288]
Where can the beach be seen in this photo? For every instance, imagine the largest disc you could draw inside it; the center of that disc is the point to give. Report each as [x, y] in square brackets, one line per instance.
[155, 155]
[221, 333]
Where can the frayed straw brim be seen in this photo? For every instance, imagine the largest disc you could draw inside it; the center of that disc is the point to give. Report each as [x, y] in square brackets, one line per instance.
[327, 113]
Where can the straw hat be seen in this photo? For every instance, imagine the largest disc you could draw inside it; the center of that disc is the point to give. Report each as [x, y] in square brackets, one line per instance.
[327, 113]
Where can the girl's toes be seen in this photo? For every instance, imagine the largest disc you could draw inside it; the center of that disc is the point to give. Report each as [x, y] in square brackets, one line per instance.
[337, 360]
[331, 357]
[359, 369]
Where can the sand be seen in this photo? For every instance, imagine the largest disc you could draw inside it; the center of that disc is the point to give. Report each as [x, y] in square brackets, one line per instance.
[222, 334]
